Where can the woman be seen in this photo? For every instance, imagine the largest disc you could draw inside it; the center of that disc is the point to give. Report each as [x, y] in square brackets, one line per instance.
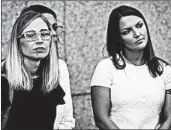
[130, 87]
[32, 75]
[65, 119]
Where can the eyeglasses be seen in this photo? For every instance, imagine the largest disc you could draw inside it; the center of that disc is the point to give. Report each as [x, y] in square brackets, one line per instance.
[32, 35]
[58, 29]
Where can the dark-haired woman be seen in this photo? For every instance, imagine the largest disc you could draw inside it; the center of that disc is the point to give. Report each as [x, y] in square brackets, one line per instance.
[131, 88]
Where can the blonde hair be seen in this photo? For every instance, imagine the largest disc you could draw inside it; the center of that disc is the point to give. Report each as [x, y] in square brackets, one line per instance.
[17, 74]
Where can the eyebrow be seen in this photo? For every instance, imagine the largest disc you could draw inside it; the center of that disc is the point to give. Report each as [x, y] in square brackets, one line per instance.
[43, 29]
[30, 31]
[129, 27]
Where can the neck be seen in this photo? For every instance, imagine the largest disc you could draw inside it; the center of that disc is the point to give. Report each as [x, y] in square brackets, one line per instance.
[32, 66]
[135, 58]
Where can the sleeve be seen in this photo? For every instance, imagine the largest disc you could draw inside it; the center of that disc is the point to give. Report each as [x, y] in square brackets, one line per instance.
[65, 119]
[167, 77]
[5, 101]
[102, 75]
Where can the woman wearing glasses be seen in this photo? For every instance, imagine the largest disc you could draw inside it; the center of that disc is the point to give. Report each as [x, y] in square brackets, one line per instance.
[32, 75]
[65, 119]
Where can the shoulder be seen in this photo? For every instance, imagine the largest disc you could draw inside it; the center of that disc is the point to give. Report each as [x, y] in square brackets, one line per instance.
[62, 62]
[64, 76]
[104, 69]
[4, 79]
[166, 69]
[63, 70]
[166, 66]
[166, 75]
[103, 73]
[3, 67]
[105, 62]
[62, 65]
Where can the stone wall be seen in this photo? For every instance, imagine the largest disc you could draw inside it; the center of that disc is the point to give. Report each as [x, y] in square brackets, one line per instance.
[84, 40]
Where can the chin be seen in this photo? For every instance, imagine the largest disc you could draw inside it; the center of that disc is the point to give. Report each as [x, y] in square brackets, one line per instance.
[42, 57]
[39, 56]
[141, 46]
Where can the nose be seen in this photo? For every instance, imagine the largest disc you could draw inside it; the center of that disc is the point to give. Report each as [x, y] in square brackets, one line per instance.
[136, 33]
[38, 38]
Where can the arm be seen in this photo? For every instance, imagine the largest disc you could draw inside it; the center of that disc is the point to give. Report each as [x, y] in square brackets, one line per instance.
[101, 107]
[167, 111]
[65, 119]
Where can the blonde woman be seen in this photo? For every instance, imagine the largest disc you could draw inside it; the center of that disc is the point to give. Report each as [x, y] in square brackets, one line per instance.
[32, 75]
[65, 119]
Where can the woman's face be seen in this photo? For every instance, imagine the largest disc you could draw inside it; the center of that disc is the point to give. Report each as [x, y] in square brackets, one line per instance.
[35, 40]
[133, 33]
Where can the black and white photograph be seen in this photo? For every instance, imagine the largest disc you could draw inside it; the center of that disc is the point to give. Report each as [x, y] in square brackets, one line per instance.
[85, 64]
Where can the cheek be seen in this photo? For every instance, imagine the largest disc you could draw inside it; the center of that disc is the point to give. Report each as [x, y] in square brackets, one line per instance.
[144, 31]
[48, 44]
[25, 46]
[127, 40]
[145, 34]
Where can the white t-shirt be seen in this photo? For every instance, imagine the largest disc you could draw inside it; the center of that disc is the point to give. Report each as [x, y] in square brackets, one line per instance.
[64, 118]
[136, 96]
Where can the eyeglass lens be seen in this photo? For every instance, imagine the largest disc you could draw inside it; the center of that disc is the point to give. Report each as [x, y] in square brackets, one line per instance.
[32, 35]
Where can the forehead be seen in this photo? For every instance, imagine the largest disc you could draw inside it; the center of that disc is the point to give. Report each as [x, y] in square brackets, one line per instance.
[36, 25]
[50, 18]
[127, 21]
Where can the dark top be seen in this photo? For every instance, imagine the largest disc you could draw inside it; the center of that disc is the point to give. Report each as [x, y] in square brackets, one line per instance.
[31, 109]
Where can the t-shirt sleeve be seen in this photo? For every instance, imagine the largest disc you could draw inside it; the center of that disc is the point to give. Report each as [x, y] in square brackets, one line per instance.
[167, 77]
[102, 75]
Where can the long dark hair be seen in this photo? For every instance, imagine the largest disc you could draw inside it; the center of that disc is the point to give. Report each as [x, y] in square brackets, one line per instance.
[114, 45]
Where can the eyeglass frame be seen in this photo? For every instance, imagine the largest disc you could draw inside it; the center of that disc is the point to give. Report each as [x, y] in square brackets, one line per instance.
[24, 36]
[58, 26]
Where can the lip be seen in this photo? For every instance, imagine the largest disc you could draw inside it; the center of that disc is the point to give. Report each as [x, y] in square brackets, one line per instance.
[139, 41]
[40, 49]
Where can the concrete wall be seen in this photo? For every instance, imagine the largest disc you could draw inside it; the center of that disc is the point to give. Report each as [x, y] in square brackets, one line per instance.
[81, 46]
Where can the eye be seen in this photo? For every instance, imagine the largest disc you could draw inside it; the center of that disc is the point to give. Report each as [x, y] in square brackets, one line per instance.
[30, 34]
[45, 33]
[125, 32]
[139, 25]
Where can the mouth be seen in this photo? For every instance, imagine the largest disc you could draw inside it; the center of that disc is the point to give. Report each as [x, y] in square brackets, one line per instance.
[138, 42]
[40, 49]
